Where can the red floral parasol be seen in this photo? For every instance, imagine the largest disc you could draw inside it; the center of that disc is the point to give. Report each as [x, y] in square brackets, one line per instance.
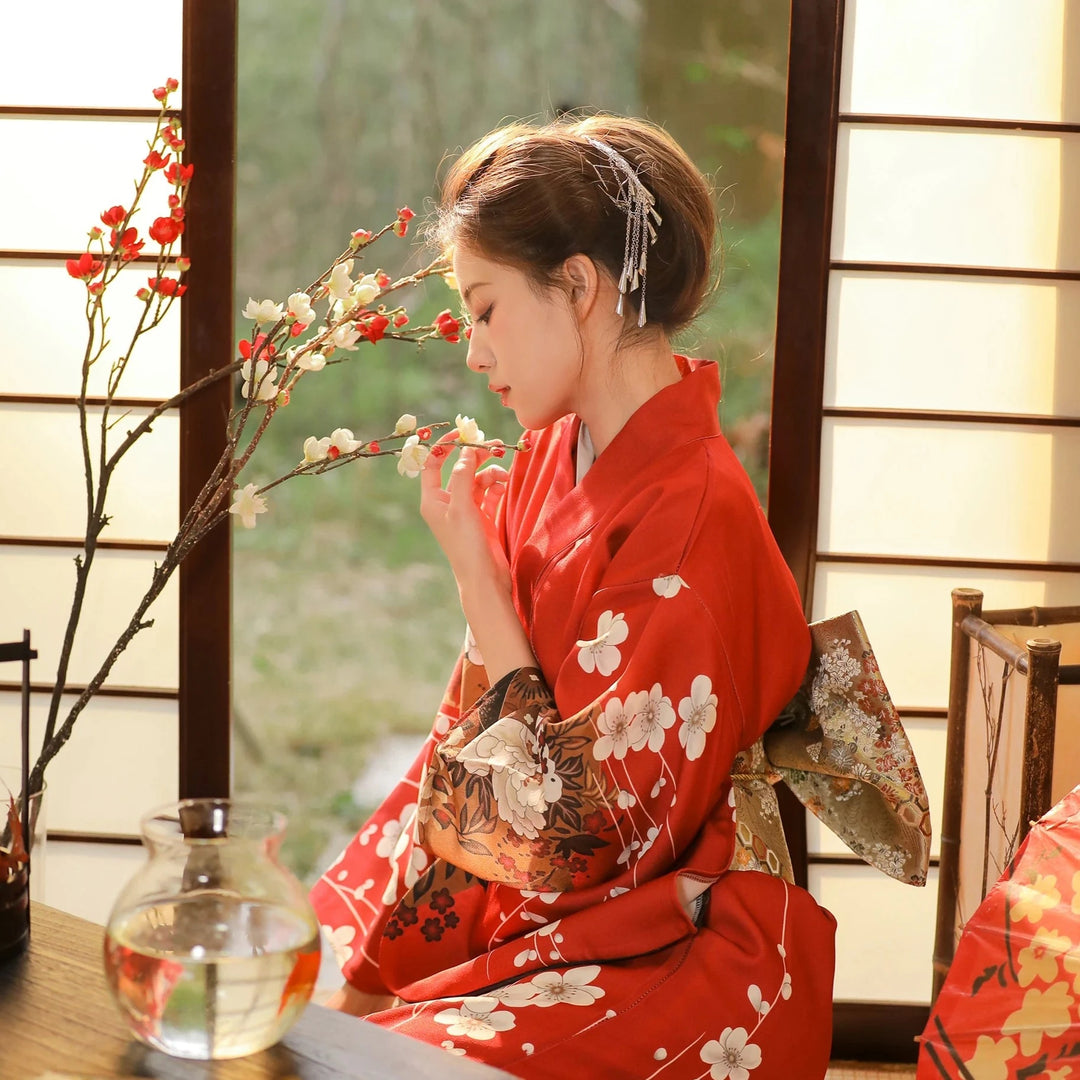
[1010, 1007]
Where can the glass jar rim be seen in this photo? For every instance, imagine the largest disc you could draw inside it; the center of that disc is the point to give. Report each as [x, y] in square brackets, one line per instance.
[212, 820]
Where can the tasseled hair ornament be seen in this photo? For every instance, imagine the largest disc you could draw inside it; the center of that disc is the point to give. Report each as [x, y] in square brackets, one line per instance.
[639, 205]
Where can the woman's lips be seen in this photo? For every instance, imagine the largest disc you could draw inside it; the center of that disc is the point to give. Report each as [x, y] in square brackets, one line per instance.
[502, 391]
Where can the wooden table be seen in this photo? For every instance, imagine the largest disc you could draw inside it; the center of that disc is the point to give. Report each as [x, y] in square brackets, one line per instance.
[56, 1014]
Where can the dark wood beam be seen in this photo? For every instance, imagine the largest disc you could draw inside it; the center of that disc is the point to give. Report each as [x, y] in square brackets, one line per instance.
[206, 331]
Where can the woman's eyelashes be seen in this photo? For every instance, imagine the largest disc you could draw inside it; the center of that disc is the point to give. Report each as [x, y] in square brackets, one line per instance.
[485, 317]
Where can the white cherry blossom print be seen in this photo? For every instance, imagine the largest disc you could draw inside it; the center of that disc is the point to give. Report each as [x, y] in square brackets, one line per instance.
[614, 725]
[509, 753]
[732, 1057]
[387, 846]
[472, 650]
[601, 654]
[572, 987]
[417, 864]
[698, 712]
[478, 1018]
[668, 585]
[450, 1048]
[653, 715]
[340, 939]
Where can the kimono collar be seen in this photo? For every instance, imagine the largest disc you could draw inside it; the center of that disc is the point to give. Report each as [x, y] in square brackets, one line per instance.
[677, 415]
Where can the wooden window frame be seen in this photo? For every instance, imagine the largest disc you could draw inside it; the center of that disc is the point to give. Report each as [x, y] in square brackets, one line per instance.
[206, 333]
[861, 1030]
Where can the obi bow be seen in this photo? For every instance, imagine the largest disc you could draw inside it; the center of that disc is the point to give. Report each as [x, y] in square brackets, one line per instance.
[839, 745]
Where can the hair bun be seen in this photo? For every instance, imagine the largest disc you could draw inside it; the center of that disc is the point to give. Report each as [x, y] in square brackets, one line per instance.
[533, 195]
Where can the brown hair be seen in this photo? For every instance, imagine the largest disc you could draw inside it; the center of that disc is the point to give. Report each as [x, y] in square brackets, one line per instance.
[531, 196]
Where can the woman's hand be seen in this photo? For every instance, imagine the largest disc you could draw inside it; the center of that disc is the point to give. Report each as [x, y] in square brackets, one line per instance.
[462, 517]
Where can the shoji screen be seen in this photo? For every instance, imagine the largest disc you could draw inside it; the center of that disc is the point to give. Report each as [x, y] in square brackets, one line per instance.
[945, 382]
[72, 138]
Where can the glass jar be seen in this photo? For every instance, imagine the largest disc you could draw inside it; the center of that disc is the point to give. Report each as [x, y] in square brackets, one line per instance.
[212, 949]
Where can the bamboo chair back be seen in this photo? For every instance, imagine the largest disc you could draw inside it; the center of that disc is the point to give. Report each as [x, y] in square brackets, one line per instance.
[1008, 756]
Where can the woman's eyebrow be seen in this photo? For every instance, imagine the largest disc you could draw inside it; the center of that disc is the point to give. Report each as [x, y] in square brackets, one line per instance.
[475, 285]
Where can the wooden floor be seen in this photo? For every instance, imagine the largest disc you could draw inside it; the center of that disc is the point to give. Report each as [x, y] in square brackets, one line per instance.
[865, 1070]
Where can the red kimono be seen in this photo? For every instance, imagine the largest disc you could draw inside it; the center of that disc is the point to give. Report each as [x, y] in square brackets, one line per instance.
[517, 889]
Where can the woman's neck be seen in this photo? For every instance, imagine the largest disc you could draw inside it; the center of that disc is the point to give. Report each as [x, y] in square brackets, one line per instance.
[616, 385]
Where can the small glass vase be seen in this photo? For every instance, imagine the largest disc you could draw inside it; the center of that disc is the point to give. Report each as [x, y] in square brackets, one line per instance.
[212, 949]
[22, 861]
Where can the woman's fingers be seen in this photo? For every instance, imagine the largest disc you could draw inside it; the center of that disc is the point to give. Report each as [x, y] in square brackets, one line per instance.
[467, 483]
[492, 475]
[463, 475]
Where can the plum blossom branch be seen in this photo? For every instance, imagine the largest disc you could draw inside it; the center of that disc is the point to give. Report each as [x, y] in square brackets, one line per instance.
[289, 341]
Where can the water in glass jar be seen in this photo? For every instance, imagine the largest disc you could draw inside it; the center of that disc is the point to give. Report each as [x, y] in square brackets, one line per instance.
[209, 975]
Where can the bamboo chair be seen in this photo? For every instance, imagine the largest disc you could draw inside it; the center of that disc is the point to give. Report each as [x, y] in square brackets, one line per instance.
[1017, 765]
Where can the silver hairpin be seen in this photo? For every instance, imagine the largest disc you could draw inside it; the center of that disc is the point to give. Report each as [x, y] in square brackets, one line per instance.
[639, 205]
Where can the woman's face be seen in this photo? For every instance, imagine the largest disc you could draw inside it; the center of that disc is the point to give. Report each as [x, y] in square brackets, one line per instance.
[523, 341]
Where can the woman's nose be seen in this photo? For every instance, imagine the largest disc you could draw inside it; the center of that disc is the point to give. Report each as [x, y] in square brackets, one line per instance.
[478, 357]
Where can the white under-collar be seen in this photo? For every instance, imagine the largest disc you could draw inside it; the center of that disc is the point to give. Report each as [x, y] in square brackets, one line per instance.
[586, 455]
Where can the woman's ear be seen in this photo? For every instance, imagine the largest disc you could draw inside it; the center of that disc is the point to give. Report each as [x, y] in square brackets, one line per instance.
[582, 279]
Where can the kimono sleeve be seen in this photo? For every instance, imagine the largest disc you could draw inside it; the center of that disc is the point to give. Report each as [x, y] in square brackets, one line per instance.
[354, 897]
[606, 776]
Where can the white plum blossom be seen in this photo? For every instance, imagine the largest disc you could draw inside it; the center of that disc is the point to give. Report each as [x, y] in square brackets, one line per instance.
[698, 712]
[364, 291]
[732, 1057]
[753, 993]
[509, 753]
[451, 279]
[340, 939]
[345, 337]
[300, 308]
[261, 383]
[653, 715]
[315, 449]
[572, 987]
[248, 503]
[467, 430]
[340, 283]
[307, 361]
[601, 654]
[478, 1018]
[406, 424]
[342, 438]
[262, 311]
[412, 457]
[614, 725]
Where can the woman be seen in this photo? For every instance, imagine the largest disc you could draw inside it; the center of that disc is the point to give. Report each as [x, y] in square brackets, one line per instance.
[548, 889]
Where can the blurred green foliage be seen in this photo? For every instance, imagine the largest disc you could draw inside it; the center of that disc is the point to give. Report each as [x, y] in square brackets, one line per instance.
[346, 619]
